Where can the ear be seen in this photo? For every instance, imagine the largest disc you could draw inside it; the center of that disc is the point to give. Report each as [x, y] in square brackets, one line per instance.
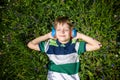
[53, 31]
[74, 32]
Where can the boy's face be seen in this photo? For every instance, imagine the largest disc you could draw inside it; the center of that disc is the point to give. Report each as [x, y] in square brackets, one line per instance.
[63, 32]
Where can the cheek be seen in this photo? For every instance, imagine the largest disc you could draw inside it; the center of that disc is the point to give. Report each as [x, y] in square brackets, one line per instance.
[68, 33]
[57, 33]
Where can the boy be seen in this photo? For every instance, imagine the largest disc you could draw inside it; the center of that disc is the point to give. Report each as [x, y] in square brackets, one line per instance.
[63, 49]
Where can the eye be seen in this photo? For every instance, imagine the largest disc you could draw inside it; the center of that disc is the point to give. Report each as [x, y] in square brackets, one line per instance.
[58, 29]
[66, 29]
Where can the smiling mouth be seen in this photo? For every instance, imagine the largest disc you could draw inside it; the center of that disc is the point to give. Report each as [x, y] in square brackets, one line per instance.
[62, 35]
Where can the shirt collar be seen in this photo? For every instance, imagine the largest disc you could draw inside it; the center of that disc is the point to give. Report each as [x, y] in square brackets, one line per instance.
[60, 44]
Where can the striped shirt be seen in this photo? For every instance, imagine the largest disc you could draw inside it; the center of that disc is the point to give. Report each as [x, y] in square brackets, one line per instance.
[63, 58]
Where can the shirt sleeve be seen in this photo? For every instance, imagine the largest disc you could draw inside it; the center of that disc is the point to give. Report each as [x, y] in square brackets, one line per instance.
[81, 47]
[42, 46]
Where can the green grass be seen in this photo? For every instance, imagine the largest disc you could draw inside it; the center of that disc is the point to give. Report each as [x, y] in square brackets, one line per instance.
[24, 20]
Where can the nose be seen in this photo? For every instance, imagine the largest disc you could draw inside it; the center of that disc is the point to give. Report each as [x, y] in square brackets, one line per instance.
[62, 31]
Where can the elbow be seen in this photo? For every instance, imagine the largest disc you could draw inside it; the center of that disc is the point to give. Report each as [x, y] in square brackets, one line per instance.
[33, 46]
[28, 45]
[98, 46]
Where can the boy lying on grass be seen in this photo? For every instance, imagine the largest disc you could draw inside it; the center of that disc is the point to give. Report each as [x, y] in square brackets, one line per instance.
[63, 49]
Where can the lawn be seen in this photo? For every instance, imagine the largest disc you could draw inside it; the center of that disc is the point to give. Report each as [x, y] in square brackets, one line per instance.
[24, 20]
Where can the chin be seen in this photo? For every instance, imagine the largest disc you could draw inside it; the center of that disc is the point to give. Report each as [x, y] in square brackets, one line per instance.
[63, 40]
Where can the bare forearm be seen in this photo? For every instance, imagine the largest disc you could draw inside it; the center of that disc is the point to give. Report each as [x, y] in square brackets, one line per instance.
[34, 43]
[92, 44]
[39, 39]
[87, 39]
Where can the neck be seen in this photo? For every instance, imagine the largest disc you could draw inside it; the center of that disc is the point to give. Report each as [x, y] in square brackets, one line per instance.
[64, 42]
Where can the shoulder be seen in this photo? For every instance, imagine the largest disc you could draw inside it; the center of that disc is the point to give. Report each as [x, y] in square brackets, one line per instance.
[74, 41]
[52, 42]
[80, 46]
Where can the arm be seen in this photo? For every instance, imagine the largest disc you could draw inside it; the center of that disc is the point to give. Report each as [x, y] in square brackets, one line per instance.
[34, 43]
[92, 44]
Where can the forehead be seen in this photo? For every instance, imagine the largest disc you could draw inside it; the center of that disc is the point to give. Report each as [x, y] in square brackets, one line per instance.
[60, 25]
